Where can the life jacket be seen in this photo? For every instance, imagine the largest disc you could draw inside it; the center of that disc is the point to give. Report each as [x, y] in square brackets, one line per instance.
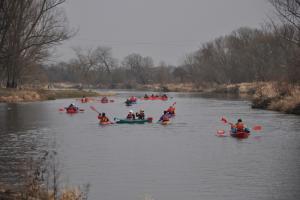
[171, 110]
[141, 116]
[133, 99]
[240, 126]
[130, 116]
[104, 119]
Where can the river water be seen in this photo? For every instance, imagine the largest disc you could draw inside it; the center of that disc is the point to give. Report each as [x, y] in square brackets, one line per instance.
[184, 160]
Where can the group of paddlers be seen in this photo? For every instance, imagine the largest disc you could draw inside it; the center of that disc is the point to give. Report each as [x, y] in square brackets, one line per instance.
[170, 112]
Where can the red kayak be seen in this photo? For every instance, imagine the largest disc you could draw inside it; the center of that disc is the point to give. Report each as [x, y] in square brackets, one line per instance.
[240, 134]
[71, 111]
[155, 98]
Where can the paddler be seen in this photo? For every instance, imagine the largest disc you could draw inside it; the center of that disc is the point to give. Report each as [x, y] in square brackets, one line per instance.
[103, 117]
[239, 127]
[164, 117]
[171, 110]
[141, 114]
[131, 115]
[72, 107]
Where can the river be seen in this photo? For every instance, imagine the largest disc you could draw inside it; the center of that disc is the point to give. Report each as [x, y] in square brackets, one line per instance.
[184, 160]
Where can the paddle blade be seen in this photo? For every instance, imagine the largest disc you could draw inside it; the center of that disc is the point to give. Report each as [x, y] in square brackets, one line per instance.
[61, 109]
[94, 109]
[224, 120]
[221, 133]
[257, 128]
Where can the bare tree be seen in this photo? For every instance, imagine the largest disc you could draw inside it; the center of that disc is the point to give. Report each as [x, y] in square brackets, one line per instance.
[139, 67]
[288, 12]
[31, 28]
[94, 64]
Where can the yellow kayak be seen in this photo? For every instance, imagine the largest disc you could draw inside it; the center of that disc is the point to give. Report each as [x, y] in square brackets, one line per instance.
[165, 122]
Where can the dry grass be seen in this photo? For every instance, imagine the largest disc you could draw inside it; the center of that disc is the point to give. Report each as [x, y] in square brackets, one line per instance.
[10, 95]
[16, 95]
[42, 182]
[281, 97]
[288, 104]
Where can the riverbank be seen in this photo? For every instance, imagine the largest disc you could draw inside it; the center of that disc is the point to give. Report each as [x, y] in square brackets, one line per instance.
[276, 96]
[29, 95]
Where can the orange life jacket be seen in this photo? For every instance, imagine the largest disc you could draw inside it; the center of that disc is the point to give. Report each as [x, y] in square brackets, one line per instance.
[240, 126]
[104, 119]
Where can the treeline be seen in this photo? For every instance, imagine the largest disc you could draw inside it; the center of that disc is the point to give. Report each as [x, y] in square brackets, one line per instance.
[98, 67]
[28, 30]
[245, 55]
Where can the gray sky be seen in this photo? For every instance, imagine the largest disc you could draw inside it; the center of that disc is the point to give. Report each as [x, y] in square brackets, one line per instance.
[165, 30]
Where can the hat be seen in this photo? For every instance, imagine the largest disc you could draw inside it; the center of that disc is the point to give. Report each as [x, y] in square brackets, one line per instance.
[142, 110]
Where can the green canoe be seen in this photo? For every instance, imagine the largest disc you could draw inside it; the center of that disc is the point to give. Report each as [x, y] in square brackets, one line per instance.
[135, 121]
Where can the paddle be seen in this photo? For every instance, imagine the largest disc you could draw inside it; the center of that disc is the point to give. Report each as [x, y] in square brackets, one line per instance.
[221, 133]
[94, 109]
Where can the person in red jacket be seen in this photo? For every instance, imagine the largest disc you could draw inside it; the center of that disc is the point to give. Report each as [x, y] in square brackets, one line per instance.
[130, 115]
[239, 127]
[171, 110]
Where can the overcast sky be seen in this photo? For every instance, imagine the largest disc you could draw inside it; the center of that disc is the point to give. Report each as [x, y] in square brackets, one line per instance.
[165, 30]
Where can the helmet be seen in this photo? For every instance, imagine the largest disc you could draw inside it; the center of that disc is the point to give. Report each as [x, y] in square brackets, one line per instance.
[239, 120]
[131, 111]
[141, 110]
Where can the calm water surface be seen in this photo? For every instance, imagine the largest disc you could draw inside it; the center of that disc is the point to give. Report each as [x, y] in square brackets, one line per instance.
[184, 160]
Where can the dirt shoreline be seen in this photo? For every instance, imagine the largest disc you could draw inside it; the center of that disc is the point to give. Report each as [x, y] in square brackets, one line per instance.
[31, 95]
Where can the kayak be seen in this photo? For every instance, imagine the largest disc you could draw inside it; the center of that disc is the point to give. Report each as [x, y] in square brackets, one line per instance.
[129, 103]
[165, 122]
[155, 98]
[105, 123]
[71, 111]
[240, 134]
[134, 121]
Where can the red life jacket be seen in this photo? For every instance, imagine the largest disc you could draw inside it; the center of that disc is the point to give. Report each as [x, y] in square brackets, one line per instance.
[240, 126]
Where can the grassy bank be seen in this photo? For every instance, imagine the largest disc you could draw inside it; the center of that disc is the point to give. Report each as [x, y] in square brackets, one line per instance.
[277, 96]
[28, 95]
